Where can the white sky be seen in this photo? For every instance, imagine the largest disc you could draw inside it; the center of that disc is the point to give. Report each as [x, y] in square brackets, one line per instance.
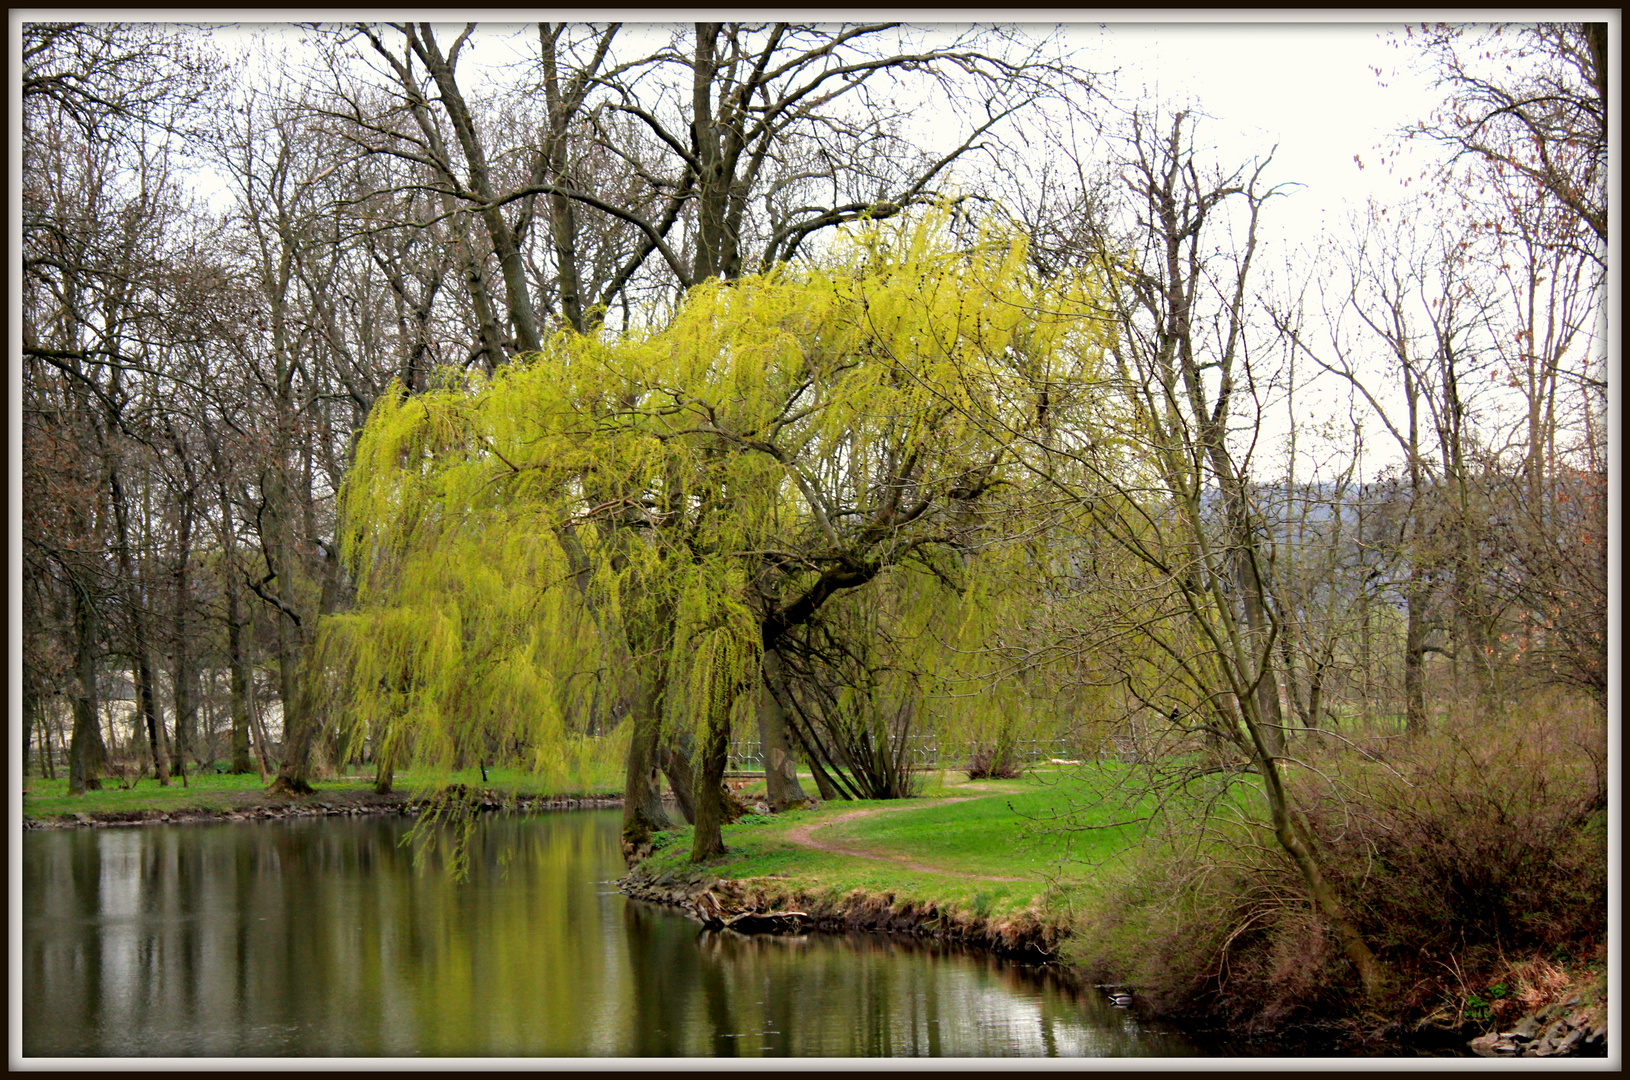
[1300, 79]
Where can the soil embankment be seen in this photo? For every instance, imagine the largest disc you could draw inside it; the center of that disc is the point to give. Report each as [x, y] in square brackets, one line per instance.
[758, 904]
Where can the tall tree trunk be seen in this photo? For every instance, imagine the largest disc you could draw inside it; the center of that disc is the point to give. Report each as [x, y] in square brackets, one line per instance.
[184, 677]
[677, 751]
[147, 701]
[642, 798]
[385, 768]
[711, 809]
[780, 763]
[1293, 834]
[48, 749]
[31, 715]
[156, 742]
[299, 719]
[257, 727]
[238, 666]
[82, 760]
[639, 696]
[296, 642]
[512, 266]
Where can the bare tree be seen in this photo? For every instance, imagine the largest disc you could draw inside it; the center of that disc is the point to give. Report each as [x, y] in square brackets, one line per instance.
[716, 155]
[1195, 620]
[1528, 100]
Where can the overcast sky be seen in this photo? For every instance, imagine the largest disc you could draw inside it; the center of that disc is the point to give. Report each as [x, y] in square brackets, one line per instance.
[1309, 87]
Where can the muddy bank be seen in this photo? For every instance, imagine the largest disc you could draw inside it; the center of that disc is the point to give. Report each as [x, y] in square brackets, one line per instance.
[771, 904]
[339, 803]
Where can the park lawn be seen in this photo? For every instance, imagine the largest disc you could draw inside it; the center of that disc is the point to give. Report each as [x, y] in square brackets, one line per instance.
[49, 798]
[1002, 832]
[1012, 830]
[44, 798]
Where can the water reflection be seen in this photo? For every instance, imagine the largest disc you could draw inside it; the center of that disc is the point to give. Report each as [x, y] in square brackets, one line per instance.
[321, 938]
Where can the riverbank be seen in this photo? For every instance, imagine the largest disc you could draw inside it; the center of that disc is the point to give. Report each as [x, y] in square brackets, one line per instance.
[954, 868]
[217, 798]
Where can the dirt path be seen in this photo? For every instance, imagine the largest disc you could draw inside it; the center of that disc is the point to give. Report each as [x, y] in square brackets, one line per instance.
[803, 835]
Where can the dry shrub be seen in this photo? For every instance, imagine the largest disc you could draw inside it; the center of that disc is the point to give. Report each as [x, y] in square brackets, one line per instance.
[1462, 850]
[1519, 988]
[994, 765]
[1476, 838]
[1215, 931]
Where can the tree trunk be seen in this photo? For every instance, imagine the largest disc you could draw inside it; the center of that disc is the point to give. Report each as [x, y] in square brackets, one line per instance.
[642, 798]
[258, 729]
[780, 763]
[1292, 832]
[639, 694]
[138, 634]
[48, 748]
[385, 768]
[157, 738]
[184, 676]
[711, 808]
[677, 751]
[1415, 665]
[239, 673]
[82, 763]
[31, 716]
[823, 783]
[299, 725]
[512, 266]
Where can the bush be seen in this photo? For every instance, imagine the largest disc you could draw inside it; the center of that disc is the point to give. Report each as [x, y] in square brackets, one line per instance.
[994, 765]
[1468, 859]
[1478, 846]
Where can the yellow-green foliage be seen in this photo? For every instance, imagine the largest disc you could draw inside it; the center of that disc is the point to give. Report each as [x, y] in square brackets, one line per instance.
[503, 533]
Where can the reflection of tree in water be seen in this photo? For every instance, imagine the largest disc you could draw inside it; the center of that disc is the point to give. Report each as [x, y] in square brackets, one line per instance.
[325, 938]
[664, 980]
[894, 995]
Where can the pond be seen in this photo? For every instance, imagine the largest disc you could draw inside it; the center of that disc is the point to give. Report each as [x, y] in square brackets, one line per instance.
[323, 938]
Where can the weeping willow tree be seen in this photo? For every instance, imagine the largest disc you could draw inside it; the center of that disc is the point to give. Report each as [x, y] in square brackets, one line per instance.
[682, 501]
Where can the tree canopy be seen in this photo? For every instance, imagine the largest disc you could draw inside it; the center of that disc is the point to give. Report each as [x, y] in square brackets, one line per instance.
[704, 488]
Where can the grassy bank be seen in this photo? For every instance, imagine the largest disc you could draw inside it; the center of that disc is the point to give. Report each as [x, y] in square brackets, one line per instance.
[1476, 869]
[979, 849]
[209, 791]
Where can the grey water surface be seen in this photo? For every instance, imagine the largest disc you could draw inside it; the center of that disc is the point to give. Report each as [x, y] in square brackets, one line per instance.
[323, 938]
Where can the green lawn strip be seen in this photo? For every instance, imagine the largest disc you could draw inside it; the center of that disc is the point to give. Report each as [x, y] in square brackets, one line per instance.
[991, 835]
[44, 798]
[760, 851]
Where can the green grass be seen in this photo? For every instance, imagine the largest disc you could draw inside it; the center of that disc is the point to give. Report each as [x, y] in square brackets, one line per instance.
[1003, 829]
[49, 798]
[994, 834]
[211, 791]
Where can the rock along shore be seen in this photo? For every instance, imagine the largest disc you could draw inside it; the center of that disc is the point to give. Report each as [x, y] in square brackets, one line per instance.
[1560, 1030]
[773, 905]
